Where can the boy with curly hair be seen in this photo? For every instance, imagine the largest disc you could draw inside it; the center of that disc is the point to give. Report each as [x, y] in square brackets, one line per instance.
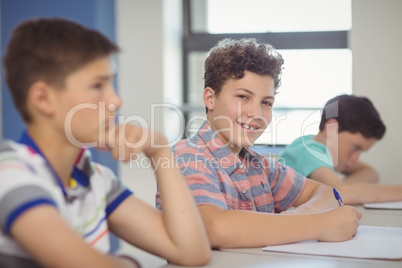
[242, 196]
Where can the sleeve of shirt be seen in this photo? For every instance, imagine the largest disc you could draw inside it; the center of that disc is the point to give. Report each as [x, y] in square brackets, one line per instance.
[306, 159]
[116, 191]
[201, 176]
[286, 184]
[20, 191]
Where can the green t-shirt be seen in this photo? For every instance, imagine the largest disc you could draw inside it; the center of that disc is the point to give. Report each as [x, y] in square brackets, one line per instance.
[306, 155]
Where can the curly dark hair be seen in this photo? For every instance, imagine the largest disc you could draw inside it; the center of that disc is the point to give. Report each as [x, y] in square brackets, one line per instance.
[230, 58]
[354, 114]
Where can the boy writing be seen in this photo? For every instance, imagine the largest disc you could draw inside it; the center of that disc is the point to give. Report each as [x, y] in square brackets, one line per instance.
[240, 193]
[56, 205]
[349, 126]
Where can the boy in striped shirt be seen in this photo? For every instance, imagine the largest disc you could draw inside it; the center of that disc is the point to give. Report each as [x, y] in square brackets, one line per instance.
[243, 197]
[57, 206]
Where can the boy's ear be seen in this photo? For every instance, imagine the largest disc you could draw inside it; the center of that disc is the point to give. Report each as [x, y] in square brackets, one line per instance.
[209, 98]
[39, 97]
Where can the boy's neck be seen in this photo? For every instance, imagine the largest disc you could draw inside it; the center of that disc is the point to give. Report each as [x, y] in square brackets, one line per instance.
[234, 149]
[58, 151]
[321, 138]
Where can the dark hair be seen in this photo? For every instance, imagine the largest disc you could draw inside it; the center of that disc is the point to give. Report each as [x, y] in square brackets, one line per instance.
[354, 114]
[230, 58]
[49, 49]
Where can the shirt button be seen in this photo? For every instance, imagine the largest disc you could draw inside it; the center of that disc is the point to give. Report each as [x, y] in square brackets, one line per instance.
[244, 191]
[241, 166]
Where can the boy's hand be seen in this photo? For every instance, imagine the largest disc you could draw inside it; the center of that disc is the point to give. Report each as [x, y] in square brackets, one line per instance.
[339, 224]
[126, 142]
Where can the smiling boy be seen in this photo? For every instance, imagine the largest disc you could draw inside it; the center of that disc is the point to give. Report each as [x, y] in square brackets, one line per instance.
[349, 126]
[240, 193]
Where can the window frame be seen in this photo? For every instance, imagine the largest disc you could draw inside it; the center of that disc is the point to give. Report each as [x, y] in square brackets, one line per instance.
[203, 42]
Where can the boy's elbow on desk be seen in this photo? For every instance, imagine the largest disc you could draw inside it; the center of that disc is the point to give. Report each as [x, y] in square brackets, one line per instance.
[202, 258]
[198, 257]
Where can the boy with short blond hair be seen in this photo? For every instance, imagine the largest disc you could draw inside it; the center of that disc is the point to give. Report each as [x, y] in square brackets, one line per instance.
[242, 195]
[57, 206]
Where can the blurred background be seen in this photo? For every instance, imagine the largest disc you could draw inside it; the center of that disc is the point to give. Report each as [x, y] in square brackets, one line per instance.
[330, 47]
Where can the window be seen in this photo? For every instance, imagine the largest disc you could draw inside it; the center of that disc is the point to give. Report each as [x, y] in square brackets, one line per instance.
[310, 34]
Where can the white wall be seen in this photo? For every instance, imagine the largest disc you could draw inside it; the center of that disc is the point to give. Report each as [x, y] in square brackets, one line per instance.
[148, 33]
[376, 42]
[140, 36]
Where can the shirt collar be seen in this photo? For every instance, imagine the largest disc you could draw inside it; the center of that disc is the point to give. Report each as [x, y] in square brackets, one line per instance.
[222, 154]
[82, 170]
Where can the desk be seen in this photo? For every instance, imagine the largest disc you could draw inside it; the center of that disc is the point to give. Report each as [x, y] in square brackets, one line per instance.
[256, 258]
[380, 217]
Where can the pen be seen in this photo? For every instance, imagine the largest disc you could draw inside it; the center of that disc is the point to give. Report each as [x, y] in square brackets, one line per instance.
[338, 197]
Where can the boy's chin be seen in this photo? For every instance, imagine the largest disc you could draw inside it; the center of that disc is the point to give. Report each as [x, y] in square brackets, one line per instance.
[249, 142]
[246, 144]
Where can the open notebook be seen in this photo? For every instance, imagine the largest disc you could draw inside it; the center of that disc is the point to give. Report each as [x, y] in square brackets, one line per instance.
[371, 242]
[384, 205]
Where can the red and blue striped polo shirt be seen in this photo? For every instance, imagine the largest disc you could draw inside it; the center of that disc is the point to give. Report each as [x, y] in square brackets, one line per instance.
[247, 181]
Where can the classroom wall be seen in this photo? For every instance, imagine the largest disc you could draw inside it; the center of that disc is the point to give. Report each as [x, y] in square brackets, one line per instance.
[149, 74]
[376, 41]
[140, 35]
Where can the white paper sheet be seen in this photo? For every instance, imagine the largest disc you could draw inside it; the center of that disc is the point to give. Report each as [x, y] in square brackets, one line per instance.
[371, 242]
[384, 205]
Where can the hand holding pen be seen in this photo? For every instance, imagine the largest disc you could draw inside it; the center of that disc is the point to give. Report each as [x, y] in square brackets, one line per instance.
[341, 223]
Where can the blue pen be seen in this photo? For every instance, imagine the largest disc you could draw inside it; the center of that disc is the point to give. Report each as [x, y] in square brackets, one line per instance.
[338, 197]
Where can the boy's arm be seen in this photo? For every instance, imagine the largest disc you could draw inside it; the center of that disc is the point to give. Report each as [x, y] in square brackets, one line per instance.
[315, 197]
[176, 233]
[361, 172]
[52, 243]
[145, 227]
[358, 192]
[237, 228]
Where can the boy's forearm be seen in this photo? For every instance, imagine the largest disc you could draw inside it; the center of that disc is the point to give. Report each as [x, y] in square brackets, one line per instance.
[180, 219]
[180, 214]
[126, 261]
[319, 199]
[360, 192]
[362, 173]
[238, 229]
[241, 229]
[44, 245]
